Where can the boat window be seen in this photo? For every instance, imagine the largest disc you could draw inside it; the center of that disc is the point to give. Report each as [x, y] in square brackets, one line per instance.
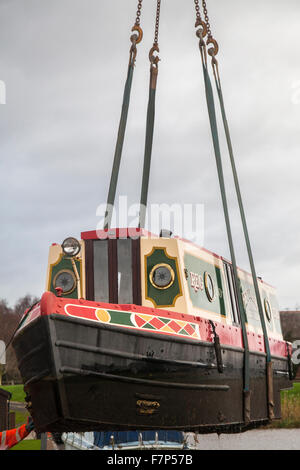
[268, 310]
[232, 294]
[275, 313]
[209, 286]
[101, 271]
[125, 271]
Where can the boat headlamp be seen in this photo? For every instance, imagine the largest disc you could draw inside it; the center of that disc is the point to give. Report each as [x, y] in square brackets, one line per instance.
[71, 247]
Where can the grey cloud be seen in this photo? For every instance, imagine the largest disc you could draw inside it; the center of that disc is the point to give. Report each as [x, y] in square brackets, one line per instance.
[64, 63]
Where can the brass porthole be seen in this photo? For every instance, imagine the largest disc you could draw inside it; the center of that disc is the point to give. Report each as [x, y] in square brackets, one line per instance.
[268, 310]
[209, 286]
[65, 279]
[162, 276]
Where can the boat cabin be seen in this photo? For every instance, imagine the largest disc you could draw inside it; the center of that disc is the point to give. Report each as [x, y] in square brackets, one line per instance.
[135, 267]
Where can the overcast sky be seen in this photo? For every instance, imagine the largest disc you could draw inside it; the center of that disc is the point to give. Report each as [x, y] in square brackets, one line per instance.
[64, 63]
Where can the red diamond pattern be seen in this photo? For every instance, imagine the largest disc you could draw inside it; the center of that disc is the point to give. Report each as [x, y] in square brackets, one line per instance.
[189, 329]
[157, 323]
[139, 321]
[174, 326]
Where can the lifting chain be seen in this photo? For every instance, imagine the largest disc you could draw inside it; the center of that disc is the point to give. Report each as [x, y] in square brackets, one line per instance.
[201, 32]
[157, 22]
[136, 38]
[155, 59]
[206, 18]
[212, 51]
[138, 13]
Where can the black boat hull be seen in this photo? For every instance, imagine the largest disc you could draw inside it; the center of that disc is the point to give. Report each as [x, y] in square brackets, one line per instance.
[135, 380]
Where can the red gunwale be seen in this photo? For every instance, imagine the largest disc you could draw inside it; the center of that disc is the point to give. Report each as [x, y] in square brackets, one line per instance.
[229, 335]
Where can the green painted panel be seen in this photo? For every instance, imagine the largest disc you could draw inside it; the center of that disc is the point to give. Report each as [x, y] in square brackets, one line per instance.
[120, 318]
[196, 269]
[64, 264]
[183, 332]
[149, 327]
[167, 296]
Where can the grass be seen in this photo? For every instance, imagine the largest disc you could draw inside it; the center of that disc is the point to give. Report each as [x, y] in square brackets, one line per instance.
[18, 395]
[28, 444]
[17, 391]
[290, 409]
[295, 391]
[21, 417]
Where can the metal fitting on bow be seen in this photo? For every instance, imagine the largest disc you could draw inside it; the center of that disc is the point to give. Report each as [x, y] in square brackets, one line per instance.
[202, 31]
[135, 39]
[213, 51]
[154, 59]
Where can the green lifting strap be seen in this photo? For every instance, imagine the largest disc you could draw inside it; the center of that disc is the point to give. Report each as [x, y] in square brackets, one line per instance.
[215, 137]
[243, 217]
[135, 39]
[148, 146]
[154, 59]
[119, 148]
[269, 370]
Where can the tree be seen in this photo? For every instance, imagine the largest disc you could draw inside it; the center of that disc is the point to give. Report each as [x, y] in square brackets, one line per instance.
[9, 320]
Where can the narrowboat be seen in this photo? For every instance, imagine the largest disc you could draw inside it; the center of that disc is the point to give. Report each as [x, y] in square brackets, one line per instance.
[141, 331]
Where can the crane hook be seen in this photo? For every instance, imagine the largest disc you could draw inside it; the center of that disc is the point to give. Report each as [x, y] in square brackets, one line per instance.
[201, 32]
[154, 59]
[213, 51]
[137, 38]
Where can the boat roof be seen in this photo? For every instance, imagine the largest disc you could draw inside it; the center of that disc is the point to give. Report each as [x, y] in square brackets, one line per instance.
[135, 233]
